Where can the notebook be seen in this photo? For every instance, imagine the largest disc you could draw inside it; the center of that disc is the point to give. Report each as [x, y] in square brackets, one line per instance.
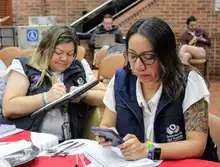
[7, 130]
[65, 99]
[112, 157]
[104, 39]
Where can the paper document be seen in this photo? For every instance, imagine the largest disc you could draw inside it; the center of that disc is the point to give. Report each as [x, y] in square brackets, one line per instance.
[112, 157]
[8, 130]
[14, 147]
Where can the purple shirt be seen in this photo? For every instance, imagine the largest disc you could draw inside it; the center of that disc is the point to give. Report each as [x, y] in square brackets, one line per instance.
[187, 37]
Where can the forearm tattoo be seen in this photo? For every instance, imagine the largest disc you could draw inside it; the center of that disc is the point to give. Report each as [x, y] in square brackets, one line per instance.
[196, 117]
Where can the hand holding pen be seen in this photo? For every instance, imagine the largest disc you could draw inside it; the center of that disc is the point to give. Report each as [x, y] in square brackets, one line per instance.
[55, 92]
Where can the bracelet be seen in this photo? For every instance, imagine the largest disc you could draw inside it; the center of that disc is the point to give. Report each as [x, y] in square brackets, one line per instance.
[150, 149]
[84, 96]
[44, 98]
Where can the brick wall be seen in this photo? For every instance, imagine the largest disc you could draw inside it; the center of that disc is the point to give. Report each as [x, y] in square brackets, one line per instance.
[175, 12]
[6, 10]
[24, 8]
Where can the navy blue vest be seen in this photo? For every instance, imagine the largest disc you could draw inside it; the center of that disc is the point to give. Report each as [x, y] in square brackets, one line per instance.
[169, 123]
[73, 76]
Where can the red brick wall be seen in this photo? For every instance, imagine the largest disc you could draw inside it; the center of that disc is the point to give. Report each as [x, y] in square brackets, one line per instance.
[24, 8]
[6, 10]
[175, 12]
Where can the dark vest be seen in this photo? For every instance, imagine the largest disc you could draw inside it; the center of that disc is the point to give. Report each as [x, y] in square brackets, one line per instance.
[169, 123]
[73, 76]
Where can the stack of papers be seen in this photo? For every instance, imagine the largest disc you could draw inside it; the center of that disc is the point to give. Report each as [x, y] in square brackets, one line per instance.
[13, 147]
[112, 157]
[7, 130]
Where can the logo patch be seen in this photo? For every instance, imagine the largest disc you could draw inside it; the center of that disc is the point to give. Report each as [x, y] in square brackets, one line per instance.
[80, 81]
[174, 133]
[34, 79]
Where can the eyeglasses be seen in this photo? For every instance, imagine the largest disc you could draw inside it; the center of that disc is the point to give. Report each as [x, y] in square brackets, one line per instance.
[109, 24]
[147, 58]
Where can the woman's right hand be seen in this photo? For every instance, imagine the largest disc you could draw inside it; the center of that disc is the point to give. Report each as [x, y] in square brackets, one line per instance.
[103, 141]
[194, 40]
[57, 91]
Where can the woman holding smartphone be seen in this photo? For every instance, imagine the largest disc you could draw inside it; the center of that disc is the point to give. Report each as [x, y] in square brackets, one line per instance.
[155, 103]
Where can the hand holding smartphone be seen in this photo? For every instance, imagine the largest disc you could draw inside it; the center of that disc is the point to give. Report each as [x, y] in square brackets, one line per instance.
[108, 134]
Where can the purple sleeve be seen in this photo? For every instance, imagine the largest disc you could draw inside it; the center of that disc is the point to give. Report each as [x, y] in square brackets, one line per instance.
[184, 39]
[207, 42]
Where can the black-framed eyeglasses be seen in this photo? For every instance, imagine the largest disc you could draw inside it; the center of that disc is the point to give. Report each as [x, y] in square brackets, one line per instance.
[147, 58]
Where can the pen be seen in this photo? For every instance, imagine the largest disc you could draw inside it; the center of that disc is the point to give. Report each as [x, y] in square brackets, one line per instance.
[76, 164]
[82, 160]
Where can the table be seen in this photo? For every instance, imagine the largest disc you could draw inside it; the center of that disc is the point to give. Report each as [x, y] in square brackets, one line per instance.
[43, 160]
[44, 141]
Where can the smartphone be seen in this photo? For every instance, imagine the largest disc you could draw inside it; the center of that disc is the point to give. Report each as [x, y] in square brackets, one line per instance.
[108, 134]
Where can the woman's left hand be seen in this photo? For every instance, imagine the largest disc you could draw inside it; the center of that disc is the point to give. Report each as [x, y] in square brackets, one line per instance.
[76, 100]
[132, 148]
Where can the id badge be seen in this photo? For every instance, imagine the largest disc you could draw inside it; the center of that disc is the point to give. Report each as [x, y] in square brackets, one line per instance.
[66, 131]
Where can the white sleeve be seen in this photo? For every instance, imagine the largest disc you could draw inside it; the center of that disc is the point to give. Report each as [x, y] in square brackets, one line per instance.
[196, 89]
[109, 98]
[16, 66]
[2, 65]
[88, 71]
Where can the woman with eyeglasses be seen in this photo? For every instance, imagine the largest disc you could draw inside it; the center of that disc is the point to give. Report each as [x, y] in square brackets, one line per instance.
[155, 103]
[46, 75]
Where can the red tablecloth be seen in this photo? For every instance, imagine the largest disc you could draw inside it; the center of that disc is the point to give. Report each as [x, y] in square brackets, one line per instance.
[23, 135]
[69, 161]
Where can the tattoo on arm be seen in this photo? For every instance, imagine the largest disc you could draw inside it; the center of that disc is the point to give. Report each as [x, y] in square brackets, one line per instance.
[196, 117]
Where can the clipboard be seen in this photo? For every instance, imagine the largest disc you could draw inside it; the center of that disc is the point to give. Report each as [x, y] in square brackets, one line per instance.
[64, 99]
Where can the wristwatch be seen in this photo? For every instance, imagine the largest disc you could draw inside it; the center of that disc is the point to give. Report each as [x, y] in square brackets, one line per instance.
[156, 151]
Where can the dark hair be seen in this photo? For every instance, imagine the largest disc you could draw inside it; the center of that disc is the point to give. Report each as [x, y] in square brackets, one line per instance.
[163, 42]
[190, 19]
[107, 16]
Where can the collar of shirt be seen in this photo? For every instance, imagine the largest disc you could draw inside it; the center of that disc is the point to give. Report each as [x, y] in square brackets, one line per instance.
[152, 103]
[58, 76]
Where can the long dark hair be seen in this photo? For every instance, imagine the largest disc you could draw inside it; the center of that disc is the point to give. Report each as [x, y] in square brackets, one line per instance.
[162, 39]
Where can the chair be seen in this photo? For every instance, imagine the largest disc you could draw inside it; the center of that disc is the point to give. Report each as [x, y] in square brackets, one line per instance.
[27, 52]
[214, 124]
[81, 53]
[202, 61]
[98, 58]
[110, 64]
[92, 118]
[8, 54]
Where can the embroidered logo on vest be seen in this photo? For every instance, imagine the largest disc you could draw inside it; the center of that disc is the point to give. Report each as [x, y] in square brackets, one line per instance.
[174, 133]
[80, 81]
[34, 79]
